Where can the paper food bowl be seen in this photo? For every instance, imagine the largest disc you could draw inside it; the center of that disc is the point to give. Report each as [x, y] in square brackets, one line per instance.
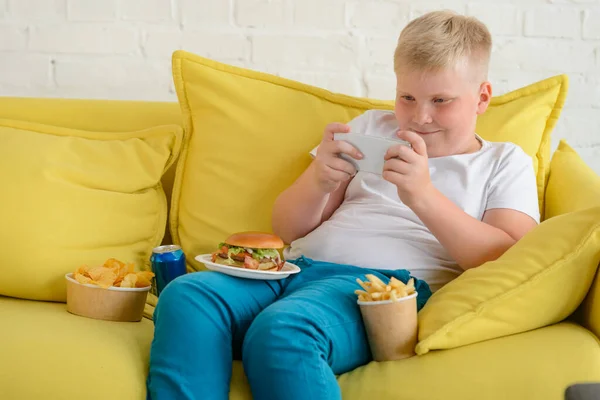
[112, 304]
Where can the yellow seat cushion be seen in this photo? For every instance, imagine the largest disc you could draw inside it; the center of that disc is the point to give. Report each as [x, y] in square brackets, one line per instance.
[250, 134]
[572, 184]
[48, 353]
[537, 365]
[51, 354]
[539, 281]
[78, 197]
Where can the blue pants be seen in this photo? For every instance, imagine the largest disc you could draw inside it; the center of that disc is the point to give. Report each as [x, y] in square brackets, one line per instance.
[292, 335]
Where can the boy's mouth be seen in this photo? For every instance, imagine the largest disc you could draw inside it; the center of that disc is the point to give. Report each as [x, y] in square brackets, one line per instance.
[425, 132]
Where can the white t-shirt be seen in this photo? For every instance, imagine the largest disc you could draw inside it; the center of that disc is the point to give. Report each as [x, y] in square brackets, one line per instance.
[372, 228]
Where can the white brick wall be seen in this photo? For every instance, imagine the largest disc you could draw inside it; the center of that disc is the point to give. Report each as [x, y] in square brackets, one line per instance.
[120, 49]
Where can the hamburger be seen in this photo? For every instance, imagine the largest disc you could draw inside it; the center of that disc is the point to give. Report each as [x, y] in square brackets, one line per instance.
[251, 250]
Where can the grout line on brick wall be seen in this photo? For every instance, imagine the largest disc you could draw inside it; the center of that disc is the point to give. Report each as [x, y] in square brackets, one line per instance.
[364, 87]
[53, 80]
[360, 62]
[142, 39]
[248, 39]
[27, 31]
[232, 11]
[587, 146]
[582, 24]
[290, 12]
[176, 13]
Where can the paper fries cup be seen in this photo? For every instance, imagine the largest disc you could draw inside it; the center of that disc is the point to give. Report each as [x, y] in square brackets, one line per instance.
[391, 327]
[112, 304]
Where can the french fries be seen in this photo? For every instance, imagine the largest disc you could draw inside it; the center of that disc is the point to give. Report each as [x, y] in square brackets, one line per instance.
[374, 289]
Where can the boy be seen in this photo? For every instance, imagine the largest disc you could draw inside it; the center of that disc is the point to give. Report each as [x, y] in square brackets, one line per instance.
[451, 202]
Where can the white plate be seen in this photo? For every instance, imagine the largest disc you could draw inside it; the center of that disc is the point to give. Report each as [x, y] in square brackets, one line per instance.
[287, 270]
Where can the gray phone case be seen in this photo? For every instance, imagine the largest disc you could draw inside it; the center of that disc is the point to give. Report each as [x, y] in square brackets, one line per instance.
[372, 147]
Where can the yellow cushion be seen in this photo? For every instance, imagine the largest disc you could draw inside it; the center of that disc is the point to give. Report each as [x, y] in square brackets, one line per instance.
[537, 365]
[527, 117]
[97, 115]
[50, 354]
[572, 184]
[250, 134]
[91, 115]
[539, 281]
[78, 197]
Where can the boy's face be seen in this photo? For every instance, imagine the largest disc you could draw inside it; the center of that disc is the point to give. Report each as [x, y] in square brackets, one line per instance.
[442, 107]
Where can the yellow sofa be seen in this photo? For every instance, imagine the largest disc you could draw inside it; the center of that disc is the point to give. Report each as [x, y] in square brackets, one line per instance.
[50, 354]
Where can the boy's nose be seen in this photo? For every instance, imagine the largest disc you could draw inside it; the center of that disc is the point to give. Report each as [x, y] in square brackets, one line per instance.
[422, 117]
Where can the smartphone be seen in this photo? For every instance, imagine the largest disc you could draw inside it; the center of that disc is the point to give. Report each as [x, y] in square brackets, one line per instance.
[372, 147]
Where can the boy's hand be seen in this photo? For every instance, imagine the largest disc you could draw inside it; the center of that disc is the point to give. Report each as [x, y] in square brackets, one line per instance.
[408, 168]
[331, 170]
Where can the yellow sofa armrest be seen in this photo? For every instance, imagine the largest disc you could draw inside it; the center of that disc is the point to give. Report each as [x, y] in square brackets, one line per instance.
[588, 314]
[573, 186]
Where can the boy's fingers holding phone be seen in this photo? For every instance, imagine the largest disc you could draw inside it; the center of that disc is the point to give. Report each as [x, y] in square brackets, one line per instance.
[331, 149]
[401, 152]
[335, 127]
[346, 148]
[338, 164]
[339, 176]
[416, 141]
[331, 171]
[396, 165]
[331, 168]
[393, 177]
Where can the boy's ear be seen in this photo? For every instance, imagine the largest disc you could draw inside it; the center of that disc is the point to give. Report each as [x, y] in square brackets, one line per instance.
[485, 96]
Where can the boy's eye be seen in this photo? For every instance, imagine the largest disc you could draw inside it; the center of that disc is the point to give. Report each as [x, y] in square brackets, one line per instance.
[408, 98]
[439, 101]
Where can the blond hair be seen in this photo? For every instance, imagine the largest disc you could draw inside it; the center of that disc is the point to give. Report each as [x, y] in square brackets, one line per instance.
[442, 39]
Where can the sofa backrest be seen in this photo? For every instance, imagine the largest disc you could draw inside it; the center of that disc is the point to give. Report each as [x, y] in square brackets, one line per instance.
[96, 115]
